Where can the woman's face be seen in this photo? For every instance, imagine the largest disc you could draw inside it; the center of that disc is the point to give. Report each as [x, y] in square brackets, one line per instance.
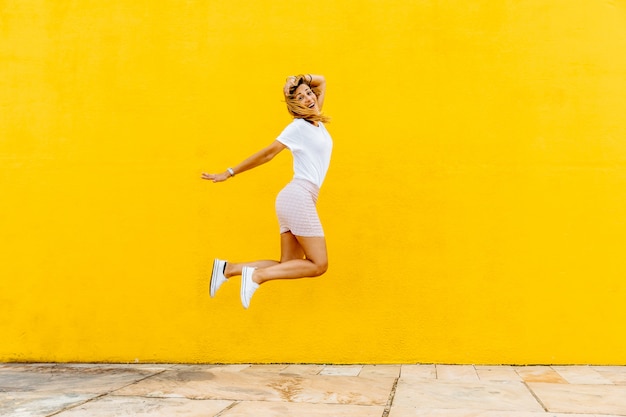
[306, 97]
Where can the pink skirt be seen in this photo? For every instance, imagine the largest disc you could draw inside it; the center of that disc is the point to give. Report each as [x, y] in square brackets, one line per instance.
[296, 211]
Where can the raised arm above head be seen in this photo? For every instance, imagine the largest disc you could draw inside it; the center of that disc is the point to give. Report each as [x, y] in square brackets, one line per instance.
[317, 83]
[304, 96]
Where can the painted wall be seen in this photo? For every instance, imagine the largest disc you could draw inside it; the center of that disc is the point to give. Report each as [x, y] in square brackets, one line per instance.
[475, 207]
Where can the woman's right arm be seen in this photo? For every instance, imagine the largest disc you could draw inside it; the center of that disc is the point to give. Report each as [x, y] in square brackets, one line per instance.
[318, 84]
[259, 158]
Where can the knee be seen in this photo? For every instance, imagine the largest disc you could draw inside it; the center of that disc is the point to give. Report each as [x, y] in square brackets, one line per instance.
[320, 268]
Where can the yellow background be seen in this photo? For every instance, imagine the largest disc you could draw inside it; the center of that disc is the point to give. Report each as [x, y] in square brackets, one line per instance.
[475, 208]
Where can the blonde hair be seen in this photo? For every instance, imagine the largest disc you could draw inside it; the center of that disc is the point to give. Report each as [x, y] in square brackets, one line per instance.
[300, 111]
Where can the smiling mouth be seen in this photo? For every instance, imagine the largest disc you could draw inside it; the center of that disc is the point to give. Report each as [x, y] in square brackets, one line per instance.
[312, 105]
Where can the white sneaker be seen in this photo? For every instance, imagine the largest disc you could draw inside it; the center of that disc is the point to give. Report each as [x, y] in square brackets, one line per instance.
[217, 276]
[248, 287]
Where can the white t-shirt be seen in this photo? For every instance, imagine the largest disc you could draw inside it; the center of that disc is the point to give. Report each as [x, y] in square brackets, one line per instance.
[311, 147]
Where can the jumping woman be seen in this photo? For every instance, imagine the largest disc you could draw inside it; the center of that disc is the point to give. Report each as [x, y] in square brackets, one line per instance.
[302, 243]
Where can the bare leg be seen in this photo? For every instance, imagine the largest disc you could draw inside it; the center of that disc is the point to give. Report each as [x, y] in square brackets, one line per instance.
[234, 269]
[314, 264]
[289, 249]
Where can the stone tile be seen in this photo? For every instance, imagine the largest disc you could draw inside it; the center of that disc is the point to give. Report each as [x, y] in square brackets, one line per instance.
[581, 375]
[483, 396]
[590, 399]
[68, 379]
[341, 370]
[153, 407]
[212, 368]
[374, 371]
[497, 373]
[30, 404]
[414, 412]
[23, 365]
[265, 368]
[148, 367]
[97, 390]
[615, 374]
[539, 374]
[250, 386]
[585, 415]
[419, 371]
[90, 367]
[302, 370]
[456, 373]
[286, 409]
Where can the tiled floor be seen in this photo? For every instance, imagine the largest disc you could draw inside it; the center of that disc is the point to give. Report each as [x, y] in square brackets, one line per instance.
[72, 390]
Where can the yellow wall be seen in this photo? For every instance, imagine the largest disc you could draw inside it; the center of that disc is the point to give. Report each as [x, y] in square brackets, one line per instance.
[475, 207]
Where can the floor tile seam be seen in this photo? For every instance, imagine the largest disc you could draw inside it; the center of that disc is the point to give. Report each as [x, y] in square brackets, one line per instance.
[584, 381]
[227, 408]
[392, 395]
[298, 403]
[72, 406]
[104, 394]
[169, 397]
[527, 379]
[536, 397]
[137, 381]
[234, 400]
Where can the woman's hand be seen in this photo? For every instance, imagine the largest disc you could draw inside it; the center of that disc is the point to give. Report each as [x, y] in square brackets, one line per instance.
[291, 82]
[216, 177]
